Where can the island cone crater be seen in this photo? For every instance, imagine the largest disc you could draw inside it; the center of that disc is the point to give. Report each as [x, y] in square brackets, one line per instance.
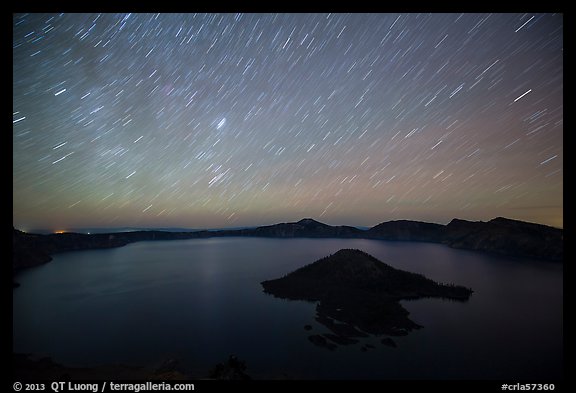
[358, 295]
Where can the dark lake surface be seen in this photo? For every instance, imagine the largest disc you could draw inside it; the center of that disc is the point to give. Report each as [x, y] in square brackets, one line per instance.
[200, 300]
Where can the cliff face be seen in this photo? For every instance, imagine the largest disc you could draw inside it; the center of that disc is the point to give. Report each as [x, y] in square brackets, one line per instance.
[500, 236]
[506, 237]
[28, 250]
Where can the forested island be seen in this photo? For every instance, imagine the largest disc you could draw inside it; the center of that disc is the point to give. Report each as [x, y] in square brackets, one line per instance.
[359, 295]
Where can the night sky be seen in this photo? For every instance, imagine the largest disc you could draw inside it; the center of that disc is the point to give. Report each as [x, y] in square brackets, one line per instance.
[226, 120]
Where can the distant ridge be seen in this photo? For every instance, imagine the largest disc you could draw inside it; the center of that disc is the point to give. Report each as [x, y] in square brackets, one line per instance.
[500, 236]
[408, 231]
[92, 231]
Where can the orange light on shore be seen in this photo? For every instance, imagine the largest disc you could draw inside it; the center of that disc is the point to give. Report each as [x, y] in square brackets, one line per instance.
[60, 231]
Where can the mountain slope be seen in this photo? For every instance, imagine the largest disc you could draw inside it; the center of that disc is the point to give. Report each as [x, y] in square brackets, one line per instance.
[407, 231]
[304, 228]
[507, 237]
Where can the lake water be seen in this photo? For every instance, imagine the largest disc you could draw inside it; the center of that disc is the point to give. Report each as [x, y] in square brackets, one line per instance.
[201, 300]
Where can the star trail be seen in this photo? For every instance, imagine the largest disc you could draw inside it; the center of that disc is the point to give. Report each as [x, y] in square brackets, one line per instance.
[224, 120]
